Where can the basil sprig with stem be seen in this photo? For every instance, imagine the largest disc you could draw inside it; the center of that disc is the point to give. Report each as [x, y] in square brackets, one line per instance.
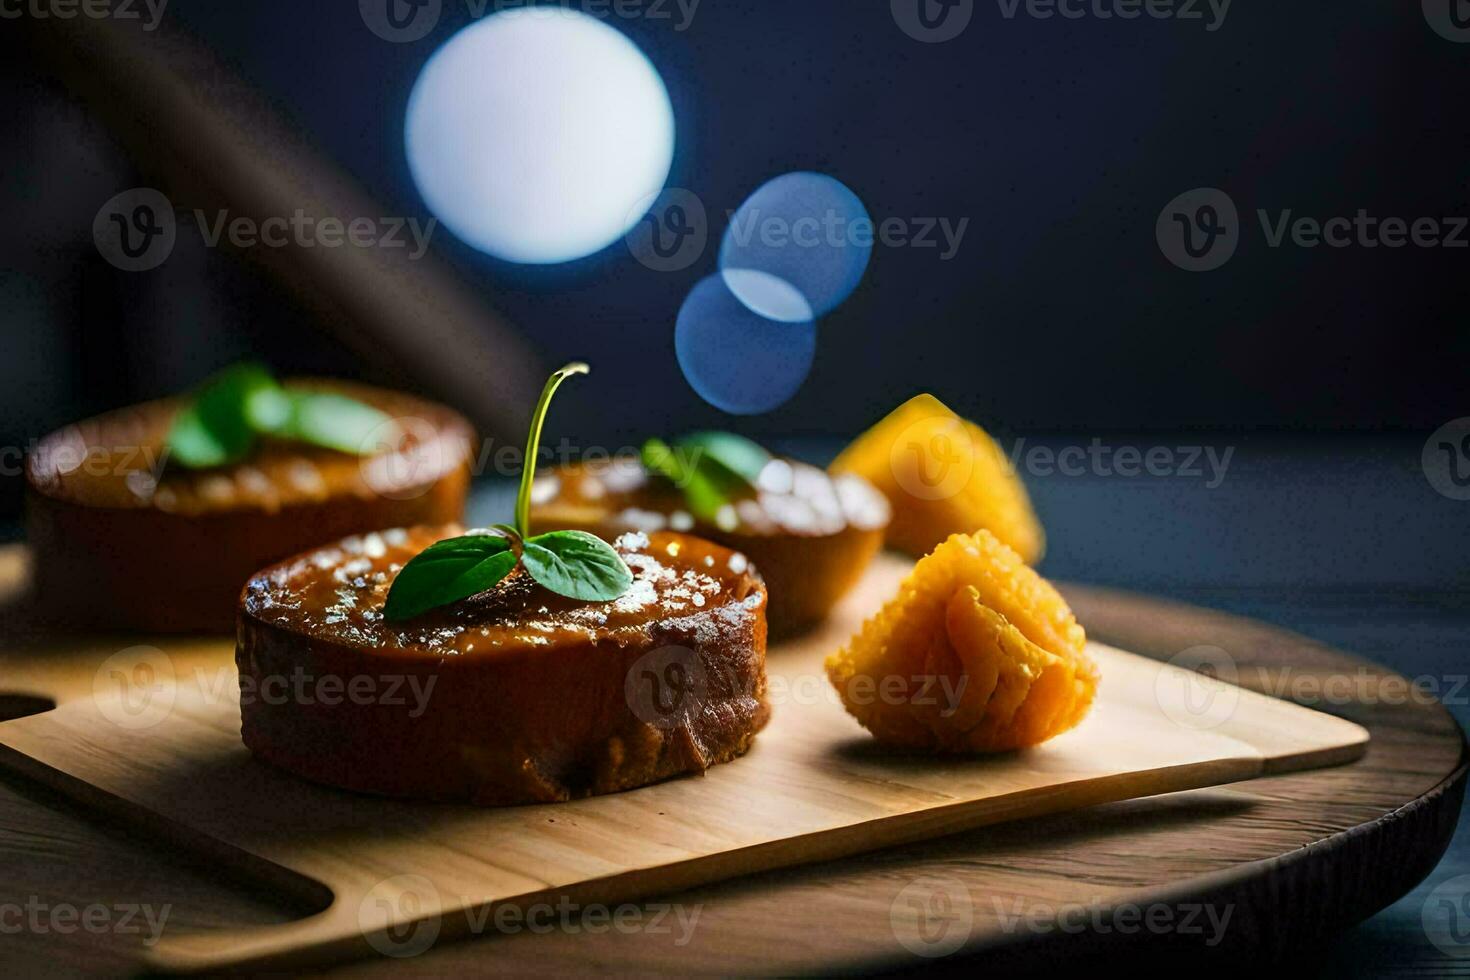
[574, 564]
[236, 407]
[713, 469]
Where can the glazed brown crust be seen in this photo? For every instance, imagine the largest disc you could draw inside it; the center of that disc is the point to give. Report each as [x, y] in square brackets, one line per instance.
[509, 723]
[109, 557]
[807, 576]
[809, 561]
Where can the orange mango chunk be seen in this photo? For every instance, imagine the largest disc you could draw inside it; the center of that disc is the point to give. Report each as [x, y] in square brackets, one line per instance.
[977, 653]
[943, 475]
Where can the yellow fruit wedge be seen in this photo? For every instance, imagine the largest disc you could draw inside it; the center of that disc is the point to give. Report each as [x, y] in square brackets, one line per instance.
[943, 475]
[976, 653]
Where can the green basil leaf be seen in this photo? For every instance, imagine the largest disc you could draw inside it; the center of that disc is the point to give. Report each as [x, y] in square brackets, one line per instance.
[660, 459]
[447, 572]
[577, 565]
[702, 495]
[192, 444]
[242, 401]
[735, 453]
[333, 421]
[266, 406]
[711, 495]
[713, 469]
[221, 424]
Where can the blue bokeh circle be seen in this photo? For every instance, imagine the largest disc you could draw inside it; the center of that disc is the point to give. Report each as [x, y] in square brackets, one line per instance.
[797, 247]
[739, 361]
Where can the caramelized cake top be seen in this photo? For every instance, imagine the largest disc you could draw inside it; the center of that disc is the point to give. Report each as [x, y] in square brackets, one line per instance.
[790, 497]
[117, 460]
[336, 594]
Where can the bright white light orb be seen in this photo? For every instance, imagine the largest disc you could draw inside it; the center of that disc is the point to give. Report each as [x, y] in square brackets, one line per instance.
[535, 134]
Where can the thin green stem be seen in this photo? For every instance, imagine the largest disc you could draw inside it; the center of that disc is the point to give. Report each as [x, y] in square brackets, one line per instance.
[533, 443]
[514, 536]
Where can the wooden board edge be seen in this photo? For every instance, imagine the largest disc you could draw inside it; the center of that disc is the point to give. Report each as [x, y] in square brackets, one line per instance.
[329, 936]
[247, 868]
[1282, 749]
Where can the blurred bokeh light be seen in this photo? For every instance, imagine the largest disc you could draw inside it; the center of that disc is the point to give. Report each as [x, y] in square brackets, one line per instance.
[797, 247]
[739, 361]
[534, 135]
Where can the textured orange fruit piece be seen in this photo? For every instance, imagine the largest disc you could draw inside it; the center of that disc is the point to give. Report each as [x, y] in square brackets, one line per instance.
[943, 475]
[976, 653]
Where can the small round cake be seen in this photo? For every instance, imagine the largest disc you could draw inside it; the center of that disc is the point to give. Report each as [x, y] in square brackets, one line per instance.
[122, 539]
[809, 534]
[517, 695]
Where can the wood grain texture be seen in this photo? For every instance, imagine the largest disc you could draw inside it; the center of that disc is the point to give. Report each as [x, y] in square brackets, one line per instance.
[842, 914]
[157, 739]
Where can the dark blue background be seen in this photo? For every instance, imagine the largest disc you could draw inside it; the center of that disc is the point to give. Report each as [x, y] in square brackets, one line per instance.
[1059, 140]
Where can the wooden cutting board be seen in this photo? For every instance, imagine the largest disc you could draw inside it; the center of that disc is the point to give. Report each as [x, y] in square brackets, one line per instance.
[151, 733]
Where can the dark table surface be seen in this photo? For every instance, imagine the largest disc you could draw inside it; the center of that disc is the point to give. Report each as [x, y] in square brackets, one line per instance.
[1343, 539]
